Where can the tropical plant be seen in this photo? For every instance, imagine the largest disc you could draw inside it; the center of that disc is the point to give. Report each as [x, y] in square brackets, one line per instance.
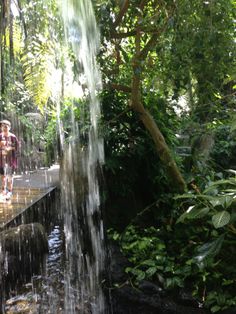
[202, 55]
[40, 50]
[216, 203]
[177, 258]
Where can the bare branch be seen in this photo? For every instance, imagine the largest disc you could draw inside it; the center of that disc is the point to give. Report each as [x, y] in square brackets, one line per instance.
[134, 32]
[118, 116]
[111, 72]
[123, 35]
[142, 4]
[152, 41]
[121, 13]
[119, 87]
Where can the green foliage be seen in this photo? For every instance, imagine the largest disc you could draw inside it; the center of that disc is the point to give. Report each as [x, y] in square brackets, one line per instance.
[201, 55]
[135, 177]
[129, 148]
[208, 251]
[214, 208]
[73, 115]
[221, 219]
[51, 138]
[199, 256]
[223, 152]
[37, 61]
[213, 204]
[147, 252]
[179, 258]
[39, 53]
[220, 301]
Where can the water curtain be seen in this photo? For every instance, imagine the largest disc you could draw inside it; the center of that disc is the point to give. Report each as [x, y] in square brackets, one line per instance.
[83, 223]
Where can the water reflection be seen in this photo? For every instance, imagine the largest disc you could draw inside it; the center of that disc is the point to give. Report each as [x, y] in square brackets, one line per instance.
[53, 283]
[45, 292]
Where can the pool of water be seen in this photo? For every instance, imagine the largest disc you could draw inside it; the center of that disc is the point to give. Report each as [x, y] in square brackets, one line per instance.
[44, 292]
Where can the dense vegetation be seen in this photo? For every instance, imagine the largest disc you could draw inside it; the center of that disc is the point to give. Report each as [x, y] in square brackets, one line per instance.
[168, 105]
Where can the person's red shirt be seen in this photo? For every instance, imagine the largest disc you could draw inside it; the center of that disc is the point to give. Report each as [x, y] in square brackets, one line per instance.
[10, 158]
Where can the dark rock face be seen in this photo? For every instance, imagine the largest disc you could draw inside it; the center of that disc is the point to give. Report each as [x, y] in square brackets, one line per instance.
[23, 250]
[129, 300]
[148, 298]
[231, 310]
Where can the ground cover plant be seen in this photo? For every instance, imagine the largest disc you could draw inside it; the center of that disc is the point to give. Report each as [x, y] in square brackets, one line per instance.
[194, 251]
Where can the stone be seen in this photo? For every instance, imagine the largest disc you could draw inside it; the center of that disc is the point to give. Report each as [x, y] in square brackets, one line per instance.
[231, 310]
[23, 250]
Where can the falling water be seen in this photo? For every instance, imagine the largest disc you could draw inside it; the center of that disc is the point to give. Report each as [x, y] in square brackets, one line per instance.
[80, 190]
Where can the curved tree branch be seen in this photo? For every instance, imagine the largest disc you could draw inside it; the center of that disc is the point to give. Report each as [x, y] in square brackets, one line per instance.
[152, 41]
[123, 35]
[119, 87]
[121, 14]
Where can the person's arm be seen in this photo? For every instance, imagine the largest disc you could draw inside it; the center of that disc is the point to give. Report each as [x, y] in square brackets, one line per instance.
[14, 144]
[3, 146]
[2, 143]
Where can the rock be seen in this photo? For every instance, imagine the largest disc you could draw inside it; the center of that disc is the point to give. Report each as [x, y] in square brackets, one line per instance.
[133, 301]
[185, 298]
[23, 304]
[231, 310]
[150, 288]
[117, 265]
[23, 250]
[202, 146]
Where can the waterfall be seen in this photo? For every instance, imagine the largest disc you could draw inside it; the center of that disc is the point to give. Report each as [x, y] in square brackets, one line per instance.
[83, 224]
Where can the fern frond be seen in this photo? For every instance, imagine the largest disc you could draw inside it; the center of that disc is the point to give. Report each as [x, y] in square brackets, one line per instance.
[37, 61]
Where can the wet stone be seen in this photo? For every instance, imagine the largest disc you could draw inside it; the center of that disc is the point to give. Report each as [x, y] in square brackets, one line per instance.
[24, 248]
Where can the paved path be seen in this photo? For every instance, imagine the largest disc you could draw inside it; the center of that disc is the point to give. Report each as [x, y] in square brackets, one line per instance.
[42, 178]
[28, 189]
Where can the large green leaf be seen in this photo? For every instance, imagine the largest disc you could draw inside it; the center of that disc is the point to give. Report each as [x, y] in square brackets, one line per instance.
[221, 219]
[195, 196]
[216, 202]
[193, 213]
[185, 195]
[208, 250]
[224, 201]
[230, 181]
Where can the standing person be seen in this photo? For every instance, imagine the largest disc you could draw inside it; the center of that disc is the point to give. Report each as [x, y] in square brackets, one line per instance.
[8, 160]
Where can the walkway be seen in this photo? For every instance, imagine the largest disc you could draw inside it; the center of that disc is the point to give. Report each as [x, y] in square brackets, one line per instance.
[28, 189]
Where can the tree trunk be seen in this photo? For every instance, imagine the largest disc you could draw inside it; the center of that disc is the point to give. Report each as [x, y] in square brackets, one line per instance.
[11, 43]
[140, 55]
[160, 144]
[162, 148]
[1, 47]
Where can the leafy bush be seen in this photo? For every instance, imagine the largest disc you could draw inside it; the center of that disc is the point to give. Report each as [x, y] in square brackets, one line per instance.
[215, 203]
[223, 152]
[198, 257]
